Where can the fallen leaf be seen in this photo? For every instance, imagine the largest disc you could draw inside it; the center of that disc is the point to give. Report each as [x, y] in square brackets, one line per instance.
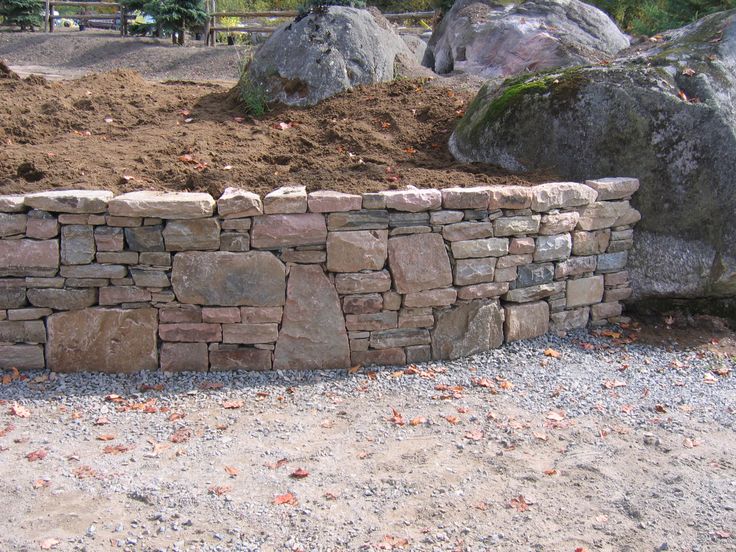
[287, 498]
[232, 471]
[211, 385]
[148, 387]
[85, 472]
[20, 411]
[233, 404]
[39, 454]
[519, 503]
[660, 408]
[581, 549]
[690, 443]
[220, 490]
[117, 449]
[41, 483]
[475, 435]
[175, 416]
[181, 435]
[101, 421]
[282, 126]
[410, 150]
[552, 353]
[613, 384]
[451, 419]
[556, 415]
[396, 417]
[504, 383]
[550, 472]
[723, 534]
[114, 398]
[385, 125]
[106, 437]
[7, 429]
[362, 455]
[299, 473]
[689, 72]
[419, 420]
[330, 496]
[710, 379]
[48, 544]
[277, 464]
[327, 423]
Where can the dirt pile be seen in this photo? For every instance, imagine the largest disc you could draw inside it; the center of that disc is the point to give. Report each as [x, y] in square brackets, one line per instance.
[120, 132]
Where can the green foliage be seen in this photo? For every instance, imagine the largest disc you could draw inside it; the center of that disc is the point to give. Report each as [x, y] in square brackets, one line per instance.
[252, 95]
[174, 16]
[648, 17]
[26, 14]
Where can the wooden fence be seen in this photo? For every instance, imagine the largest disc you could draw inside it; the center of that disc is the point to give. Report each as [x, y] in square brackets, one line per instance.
[120, 13]
[213, 26]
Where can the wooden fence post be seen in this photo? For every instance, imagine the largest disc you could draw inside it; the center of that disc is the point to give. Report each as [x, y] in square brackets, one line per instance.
[51, 17]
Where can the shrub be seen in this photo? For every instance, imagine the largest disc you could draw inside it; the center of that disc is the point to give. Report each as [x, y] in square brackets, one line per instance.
[252, 95]
[26, 14]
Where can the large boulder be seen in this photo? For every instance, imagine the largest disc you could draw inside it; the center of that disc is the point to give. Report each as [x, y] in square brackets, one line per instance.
[497, 39]
[331, 50]
[665, 115]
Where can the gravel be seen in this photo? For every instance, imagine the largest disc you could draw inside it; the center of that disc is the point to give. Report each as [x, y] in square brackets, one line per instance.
[640, 439]
[72, 54]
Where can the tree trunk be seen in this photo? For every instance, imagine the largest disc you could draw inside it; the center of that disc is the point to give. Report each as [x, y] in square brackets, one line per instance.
[181, 36]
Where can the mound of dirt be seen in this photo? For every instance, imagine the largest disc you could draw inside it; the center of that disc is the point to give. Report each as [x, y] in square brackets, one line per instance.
[119, 132]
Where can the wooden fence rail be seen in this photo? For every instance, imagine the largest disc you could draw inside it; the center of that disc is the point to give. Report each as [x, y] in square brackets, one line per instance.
[120, 14]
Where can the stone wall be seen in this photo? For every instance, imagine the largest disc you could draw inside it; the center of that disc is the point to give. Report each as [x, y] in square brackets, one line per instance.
[179, 281]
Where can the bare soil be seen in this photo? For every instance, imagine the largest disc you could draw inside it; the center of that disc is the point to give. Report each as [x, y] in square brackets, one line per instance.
[119, 132]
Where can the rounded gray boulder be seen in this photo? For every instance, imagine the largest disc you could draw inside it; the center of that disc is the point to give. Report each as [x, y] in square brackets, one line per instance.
[330, 50]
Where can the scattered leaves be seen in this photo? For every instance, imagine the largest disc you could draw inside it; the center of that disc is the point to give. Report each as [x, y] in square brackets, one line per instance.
[220, 490]
[287, 498]
[20, 411]
[519, 503]
[552, 353]
[117, 449]
[396, 418]
[181, 435]
[39, 454]
[85, 472]
[233, 404]
[299, 473]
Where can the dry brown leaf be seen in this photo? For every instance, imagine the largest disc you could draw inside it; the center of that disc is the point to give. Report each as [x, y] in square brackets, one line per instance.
[39, 454]
[106, 437]
[117, 449]
[20, 411]
[550, 472]
[101, 421]
[233, 404]
[299, 473]
[419, 420]
[451, 419]
[277, 464]
[475, 435]
[556, 415]
[49, 543]
[181, 435]
[552, 353]
[220, 490]
[519, 503]
[396, 417]
[287, 498]
[232, 471]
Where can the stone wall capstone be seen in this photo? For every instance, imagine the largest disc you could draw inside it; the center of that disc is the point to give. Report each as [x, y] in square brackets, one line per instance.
[296, 280]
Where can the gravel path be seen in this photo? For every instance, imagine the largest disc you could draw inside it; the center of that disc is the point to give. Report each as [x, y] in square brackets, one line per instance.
[611, 446]
[72, 54]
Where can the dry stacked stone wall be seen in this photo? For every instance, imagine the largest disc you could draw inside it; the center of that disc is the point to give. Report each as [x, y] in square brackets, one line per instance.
[179, 281]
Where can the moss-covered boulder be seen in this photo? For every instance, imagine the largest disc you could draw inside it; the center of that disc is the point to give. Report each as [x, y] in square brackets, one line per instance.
[666, 115]
[500, 38]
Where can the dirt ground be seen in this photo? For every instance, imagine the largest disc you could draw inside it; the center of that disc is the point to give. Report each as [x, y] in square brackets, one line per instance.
[119, 132]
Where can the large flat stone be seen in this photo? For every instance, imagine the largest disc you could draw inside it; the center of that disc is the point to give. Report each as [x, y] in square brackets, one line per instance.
[286, 200]
[254, 278]
[12, 298]
[590, 243]
[77, 244]
[356, 251]
[602, 214]
[516, 226]
[509, 197]
[402, 337]
[474, 271]
[29, 257]
[32, 331]
[465, 198]
[192, 235]
[363, 282]
[553, 248]
[21, 357]
[570, 319]
[240, 359]
[190, 332]
[413, 201]
[184, 357]
[380, 357]
[526, 321]
[165, 205]
[612, 262]
[614, 188]
[584, 291]
[358, 220]
[490, 247]
[431, 298]
[313, 334]
[467, 231]
[534, 293]
[62, 299]
[235, 203]
[575, 266]
[325, 201]
[559, 223]
[145, 238]
[12, 203]
[278, 231]
[70, 201]
[467, 329]
[561, 195]
[250, 334]
[534, 274]
[482, 291]
[12, 225]
[102, 340]
[419, 262]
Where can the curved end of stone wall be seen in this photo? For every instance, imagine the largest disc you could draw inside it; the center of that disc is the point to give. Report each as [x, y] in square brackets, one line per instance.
[325, 280]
